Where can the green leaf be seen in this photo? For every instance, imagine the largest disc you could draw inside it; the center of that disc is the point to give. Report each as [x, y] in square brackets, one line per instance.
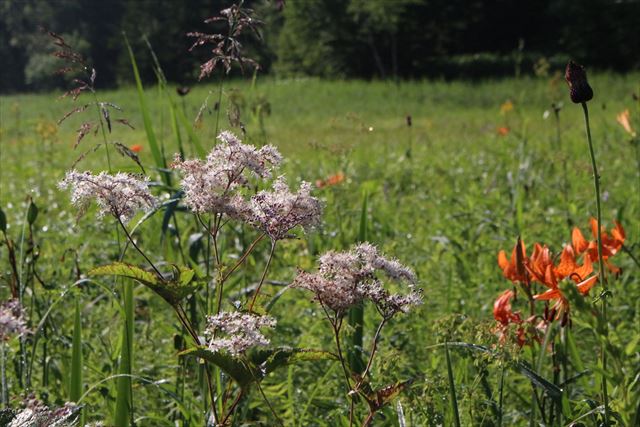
[260, 362]
[551, 389]
[181, 285]
[126, 270]
[146, 118]
[75, 383]
[231, 366]
[271, 359]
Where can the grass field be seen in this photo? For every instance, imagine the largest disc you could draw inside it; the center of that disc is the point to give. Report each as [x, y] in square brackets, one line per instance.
[444, 195]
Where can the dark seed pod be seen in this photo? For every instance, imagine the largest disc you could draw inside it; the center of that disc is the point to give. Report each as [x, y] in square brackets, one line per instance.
[576, 77]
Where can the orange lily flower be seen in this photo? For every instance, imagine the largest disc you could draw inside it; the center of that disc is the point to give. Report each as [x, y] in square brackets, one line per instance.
[331, 180]
[504, 315]
[539, 263]
[561, 307]
[502, 309]
[623, 119]
[611, 243]
[514, 268]
[503, 131]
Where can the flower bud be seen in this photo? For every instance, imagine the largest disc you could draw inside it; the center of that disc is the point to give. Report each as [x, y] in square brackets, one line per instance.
[576, 77]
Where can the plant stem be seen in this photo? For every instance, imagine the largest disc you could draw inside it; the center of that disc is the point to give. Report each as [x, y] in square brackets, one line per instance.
[138, 248]
[601, 271]
[264, 274]
[374, 347]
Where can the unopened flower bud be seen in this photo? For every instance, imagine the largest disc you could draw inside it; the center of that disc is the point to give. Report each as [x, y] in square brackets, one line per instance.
[576, 77]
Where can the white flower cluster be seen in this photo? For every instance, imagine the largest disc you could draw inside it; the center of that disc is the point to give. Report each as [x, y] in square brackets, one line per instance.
[12, 323]
[345, 279]
[120, 195]
[211, 186]
[36, 414]
[242, 331]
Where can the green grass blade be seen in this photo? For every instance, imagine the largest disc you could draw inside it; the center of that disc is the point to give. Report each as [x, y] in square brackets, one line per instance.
[75, 385]
[124, 399]
[146, 118]
[452, 387]
[356, 314]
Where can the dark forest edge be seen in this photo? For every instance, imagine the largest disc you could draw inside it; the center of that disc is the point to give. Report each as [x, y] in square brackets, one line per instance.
[325, 38]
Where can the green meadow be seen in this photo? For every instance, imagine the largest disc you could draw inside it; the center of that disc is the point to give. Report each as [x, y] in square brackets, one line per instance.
[440, 175]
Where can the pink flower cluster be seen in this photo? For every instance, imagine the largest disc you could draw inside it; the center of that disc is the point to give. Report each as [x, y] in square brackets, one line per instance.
[213, 186]
[37, 414]
[210, 185]
[120, 195]
[12, 323]
[242, 331]
[278, 211]
[345, 279]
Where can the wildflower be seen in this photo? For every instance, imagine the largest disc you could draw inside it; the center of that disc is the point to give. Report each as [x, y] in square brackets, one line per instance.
[513, 269]
[504, 315]
[503, 130]
[330, 181]
[136, 148]
[506, 107]
[345, 279]
[611, 243]
[120, 195]
[209, 185]
[242, 331]
[543, 271]
[623, 119]
[12, 321]
[37, 414]
[278, 211]
[576, 77]
[502, 309]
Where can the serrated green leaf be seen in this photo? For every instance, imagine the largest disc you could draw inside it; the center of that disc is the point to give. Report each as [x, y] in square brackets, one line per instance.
[172, 291]
[231, 366]
[126, 270]
[260, 361]
[271, 359]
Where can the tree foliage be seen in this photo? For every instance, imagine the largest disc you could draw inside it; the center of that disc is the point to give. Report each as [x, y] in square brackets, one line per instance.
[329, 38]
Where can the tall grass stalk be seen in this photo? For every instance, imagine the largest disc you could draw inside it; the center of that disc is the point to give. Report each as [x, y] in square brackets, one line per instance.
[75, 383]
[452, 387]
[601, 271]
[356, 314]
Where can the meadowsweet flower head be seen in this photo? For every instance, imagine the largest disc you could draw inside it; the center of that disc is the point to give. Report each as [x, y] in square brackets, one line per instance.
[345, 279]
[120, 195]
[278, 211]
[241, 331]
[12, 321]
[209, 185]
[37, 414]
